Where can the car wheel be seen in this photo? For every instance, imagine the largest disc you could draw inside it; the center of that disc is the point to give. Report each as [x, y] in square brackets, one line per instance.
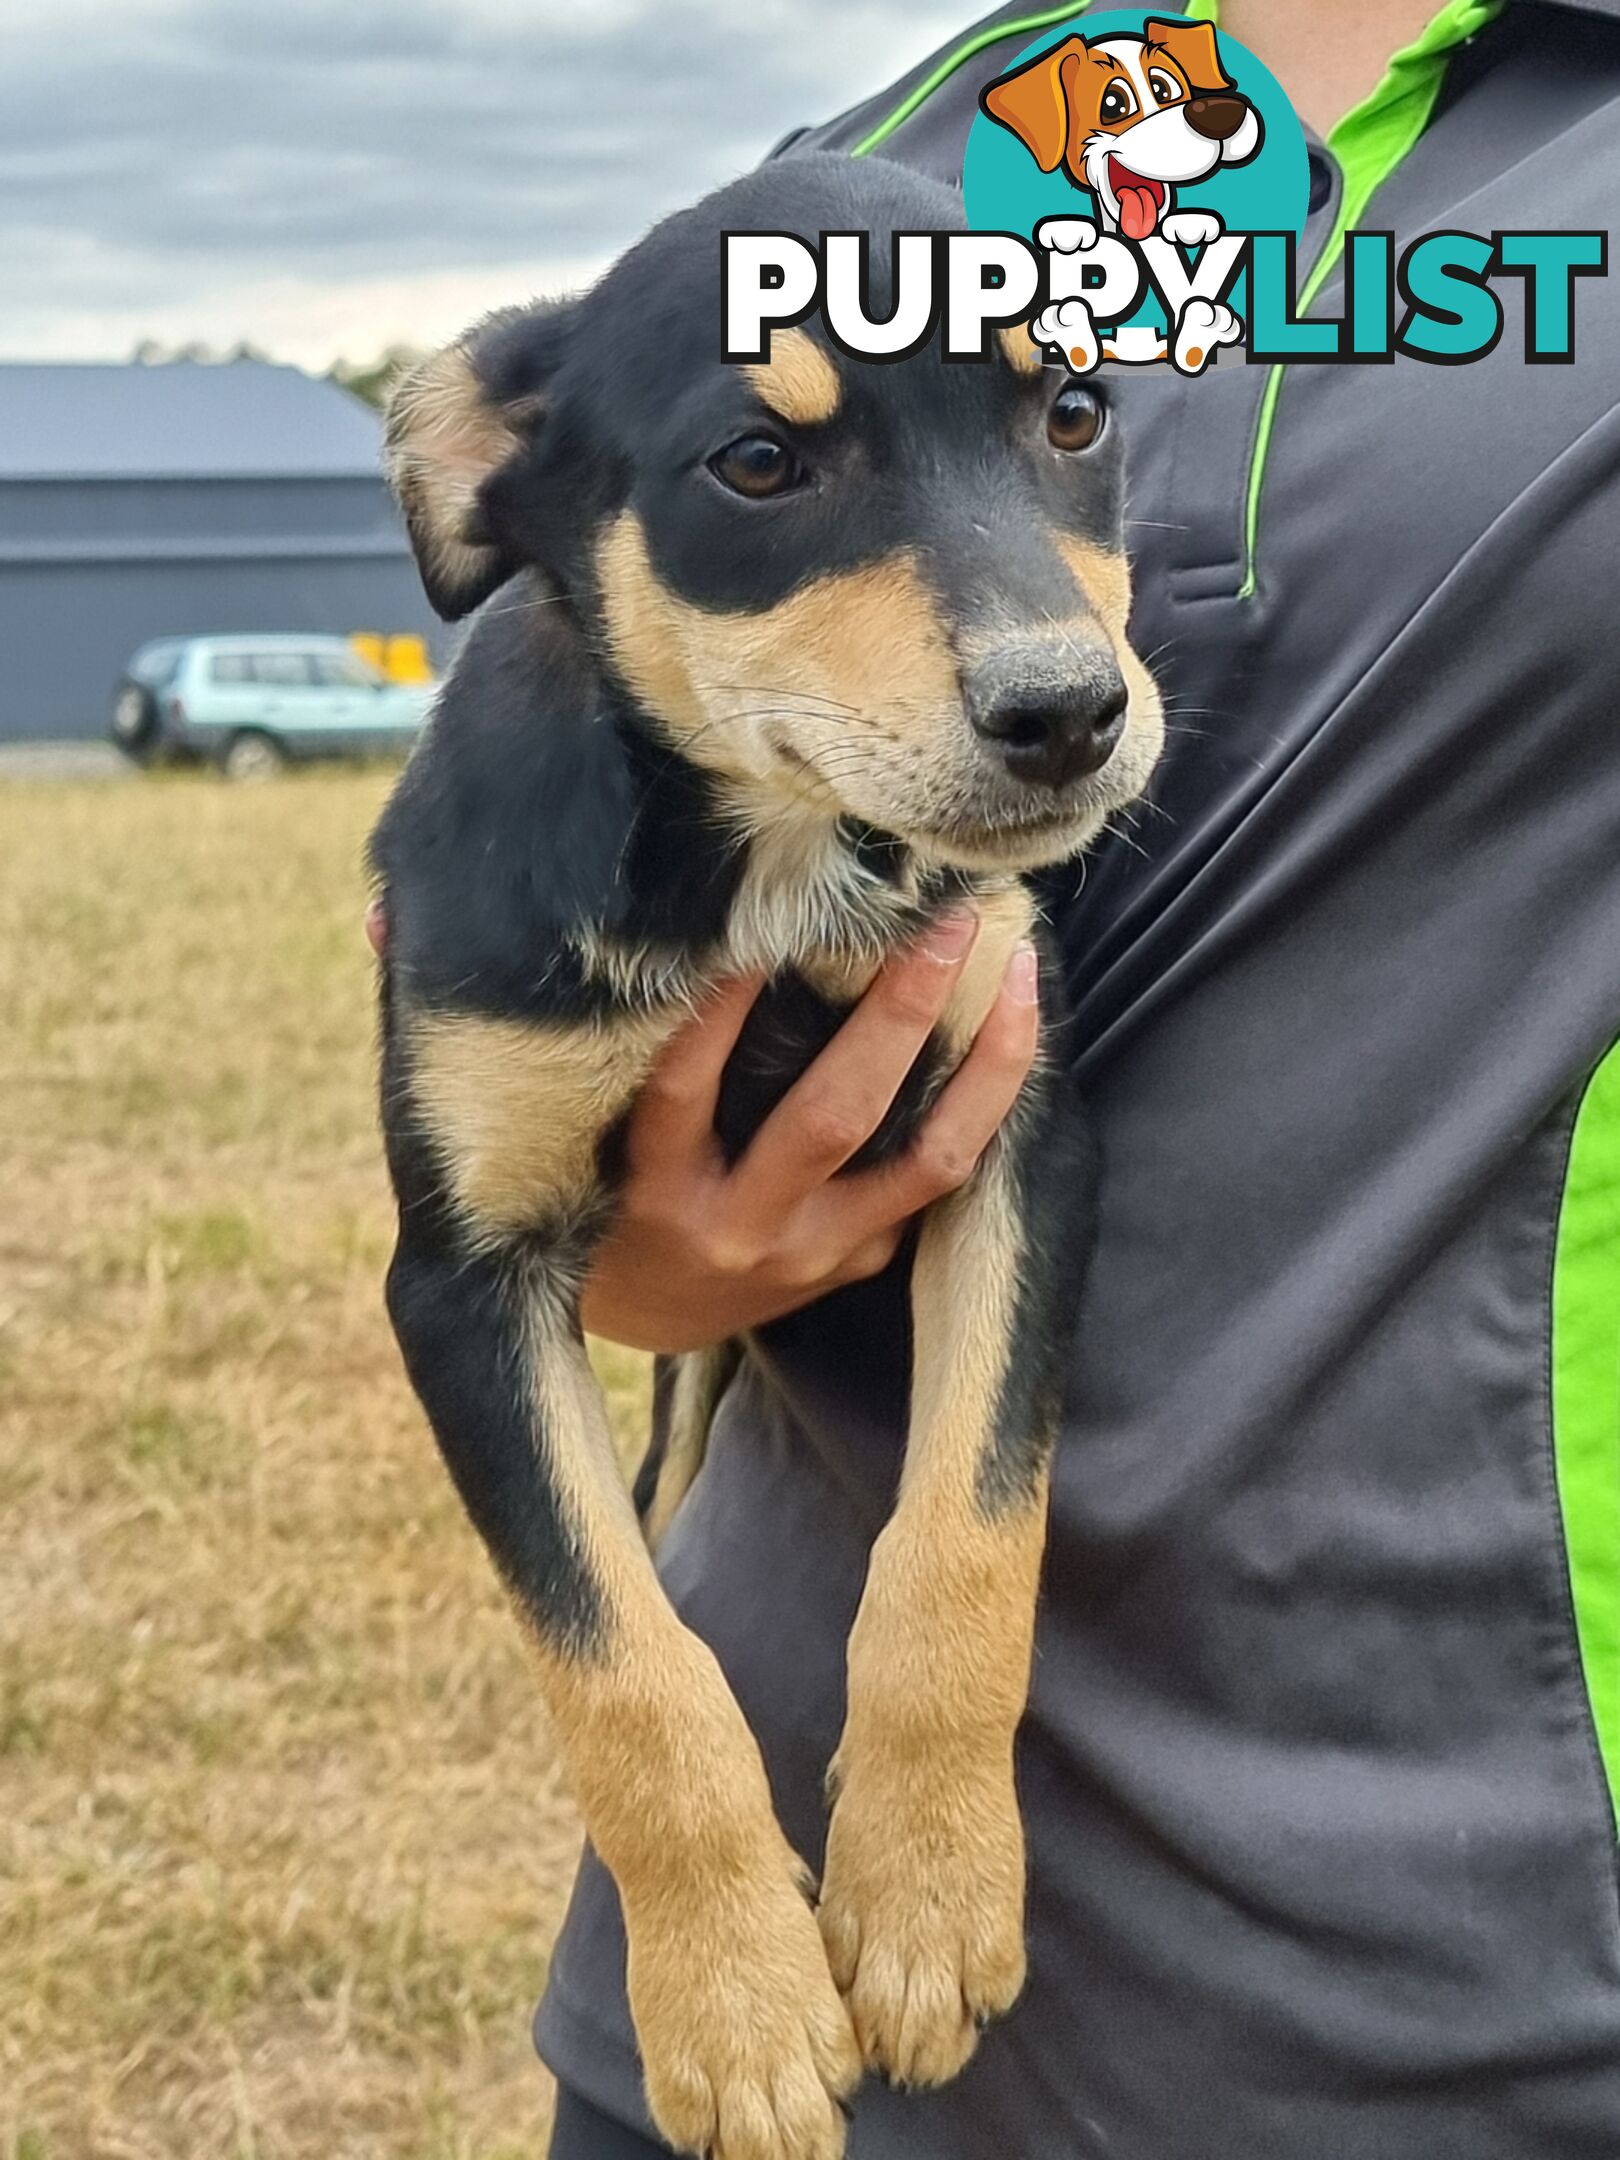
[135, 723]
[252, 756]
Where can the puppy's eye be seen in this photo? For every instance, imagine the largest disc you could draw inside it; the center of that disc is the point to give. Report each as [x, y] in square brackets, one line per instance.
[757, 466]
[1164, 87]
[1076, 418]
[1117, 101]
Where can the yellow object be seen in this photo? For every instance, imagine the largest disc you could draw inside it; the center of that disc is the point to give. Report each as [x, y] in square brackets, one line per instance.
[407, 660]
[403, 658]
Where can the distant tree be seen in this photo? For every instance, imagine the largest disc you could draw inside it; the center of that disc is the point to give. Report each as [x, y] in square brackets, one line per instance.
[372, 380]
[152, 352]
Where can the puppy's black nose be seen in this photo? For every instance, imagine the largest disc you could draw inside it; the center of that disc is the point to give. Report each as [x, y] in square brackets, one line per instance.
[1216, 117]
[1053, 736]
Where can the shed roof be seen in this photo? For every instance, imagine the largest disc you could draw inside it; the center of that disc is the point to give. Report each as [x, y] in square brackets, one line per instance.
[180, 419]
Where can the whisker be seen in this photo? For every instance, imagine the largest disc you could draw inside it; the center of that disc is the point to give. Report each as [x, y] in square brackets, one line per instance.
[777, 690]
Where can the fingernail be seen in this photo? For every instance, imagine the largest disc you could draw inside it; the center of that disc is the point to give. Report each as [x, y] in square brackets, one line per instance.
[1024, 976]
[948, 939]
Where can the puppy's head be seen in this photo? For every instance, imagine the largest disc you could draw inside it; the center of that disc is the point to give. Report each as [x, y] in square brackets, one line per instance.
[895, 592]
[1129, 117]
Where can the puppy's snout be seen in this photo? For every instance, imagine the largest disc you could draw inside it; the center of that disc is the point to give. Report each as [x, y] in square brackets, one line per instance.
[1057, 733]
[1216, 117]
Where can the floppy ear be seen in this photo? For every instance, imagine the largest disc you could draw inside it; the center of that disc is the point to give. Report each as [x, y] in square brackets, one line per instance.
[1194, 49]
[453, 423]
[1035, 101]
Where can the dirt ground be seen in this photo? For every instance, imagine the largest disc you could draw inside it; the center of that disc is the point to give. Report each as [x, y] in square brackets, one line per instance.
[283, 1841]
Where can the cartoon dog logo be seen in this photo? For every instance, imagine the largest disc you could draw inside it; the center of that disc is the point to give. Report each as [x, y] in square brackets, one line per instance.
[1131, 118]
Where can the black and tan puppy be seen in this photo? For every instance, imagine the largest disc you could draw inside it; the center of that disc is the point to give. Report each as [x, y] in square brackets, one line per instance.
[783, 661]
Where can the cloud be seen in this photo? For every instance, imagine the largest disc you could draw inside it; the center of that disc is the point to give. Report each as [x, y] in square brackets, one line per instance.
[321, 178]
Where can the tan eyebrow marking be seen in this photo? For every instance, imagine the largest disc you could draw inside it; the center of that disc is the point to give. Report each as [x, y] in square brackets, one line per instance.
[798, 382]
[1022, 352]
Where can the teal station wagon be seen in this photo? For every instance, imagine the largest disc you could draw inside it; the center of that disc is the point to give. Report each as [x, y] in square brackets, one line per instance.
[252, 704]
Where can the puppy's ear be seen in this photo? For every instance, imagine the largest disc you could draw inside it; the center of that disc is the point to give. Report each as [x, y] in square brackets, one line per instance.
[453, 423]
[1038, 100]
[1194, 48]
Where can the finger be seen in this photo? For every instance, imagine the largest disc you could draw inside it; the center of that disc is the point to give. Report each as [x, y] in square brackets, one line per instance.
[971, 1108]
[674, 1113]
[869, 1258]
[834, 1108]
[377, 927]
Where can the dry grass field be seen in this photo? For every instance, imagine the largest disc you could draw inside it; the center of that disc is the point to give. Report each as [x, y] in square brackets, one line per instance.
[282, 1837]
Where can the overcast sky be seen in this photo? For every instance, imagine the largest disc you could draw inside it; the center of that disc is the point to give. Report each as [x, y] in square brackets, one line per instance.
[325, 177]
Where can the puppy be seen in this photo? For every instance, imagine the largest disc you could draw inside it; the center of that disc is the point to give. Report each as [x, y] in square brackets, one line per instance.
[1130, 118]
[778, 663]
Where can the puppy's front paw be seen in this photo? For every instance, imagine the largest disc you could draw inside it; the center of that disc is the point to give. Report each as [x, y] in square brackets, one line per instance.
[922, 1905]
[746, 2048]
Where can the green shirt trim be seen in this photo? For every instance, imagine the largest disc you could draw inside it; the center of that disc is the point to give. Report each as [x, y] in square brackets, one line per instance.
[958, 59]
[1586, 1397]
[1369, 143]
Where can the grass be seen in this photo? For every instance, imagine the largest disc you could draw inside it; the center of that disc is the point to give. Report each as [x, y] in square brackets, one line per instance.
[283, 1839]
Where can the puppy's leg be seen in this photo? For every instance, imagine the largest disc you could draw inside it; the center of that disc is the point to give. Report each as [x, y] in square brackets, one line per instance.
[923, 1896]
[687, 1395]
[493, 1129]
[745, 2045]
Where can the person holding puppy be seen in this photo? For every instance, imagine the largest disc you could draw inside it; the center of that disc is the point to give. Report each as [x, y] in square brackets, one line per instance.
[1320, 1767]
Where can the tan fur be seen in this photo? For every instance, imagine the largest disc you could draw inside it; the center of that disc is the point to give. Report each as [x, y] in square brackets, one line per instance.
[844, 697]
[799, 382]
[700, 1378]
[1006, 915]
[1020, 349]
[923, 1895]
[1104, 578]
[728, 1980]
[515, 1111]
[873, 637]
[444, 440]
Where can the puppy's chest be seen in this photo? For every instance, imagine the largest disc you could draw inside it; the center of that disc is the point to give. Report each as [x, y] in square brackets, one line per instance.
[519, 1111]
[806, 900]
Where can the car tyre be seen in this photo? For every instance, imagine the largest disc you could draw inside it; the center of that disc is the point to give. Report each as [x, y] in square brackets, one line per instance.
[137, 725]
[252, 755]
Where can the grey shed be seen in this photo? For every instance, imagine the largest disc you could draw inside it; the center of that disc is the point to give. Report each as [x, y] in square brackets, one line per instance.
[178, 500]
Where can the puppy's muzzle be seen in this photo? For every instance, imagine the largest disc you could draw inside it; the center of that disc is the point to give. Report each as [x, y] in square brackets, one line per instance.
[1050, 733]
[1217, 118]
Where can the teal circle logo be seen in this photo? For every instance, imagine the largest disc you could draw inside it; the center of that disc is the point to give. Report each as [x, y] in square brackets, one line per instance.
[1139, 129]
[1060, 106]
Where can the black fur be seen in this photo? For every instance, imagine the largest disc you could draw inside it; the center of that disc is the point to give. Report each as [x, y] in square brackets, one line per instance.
[547, 808]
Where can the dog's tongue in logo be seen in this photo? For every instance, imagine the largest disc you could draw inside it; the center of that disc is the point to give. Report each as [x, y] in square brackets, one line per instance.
[1140, 201]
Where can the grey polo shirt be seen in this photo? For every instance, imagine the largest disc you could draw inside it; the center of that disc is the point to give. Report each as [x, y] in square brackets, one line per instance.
[1326, 1708]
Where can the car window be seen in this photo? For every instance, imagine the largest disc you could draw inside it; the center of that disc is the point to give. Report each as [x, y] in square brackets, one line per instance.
[280, 670]
[230, 667]
[156, 665]
[343, 671]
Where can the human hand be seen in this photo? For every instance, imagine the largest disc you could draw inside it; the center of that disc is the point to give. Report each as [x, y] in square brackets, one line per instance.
[698, 1251]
